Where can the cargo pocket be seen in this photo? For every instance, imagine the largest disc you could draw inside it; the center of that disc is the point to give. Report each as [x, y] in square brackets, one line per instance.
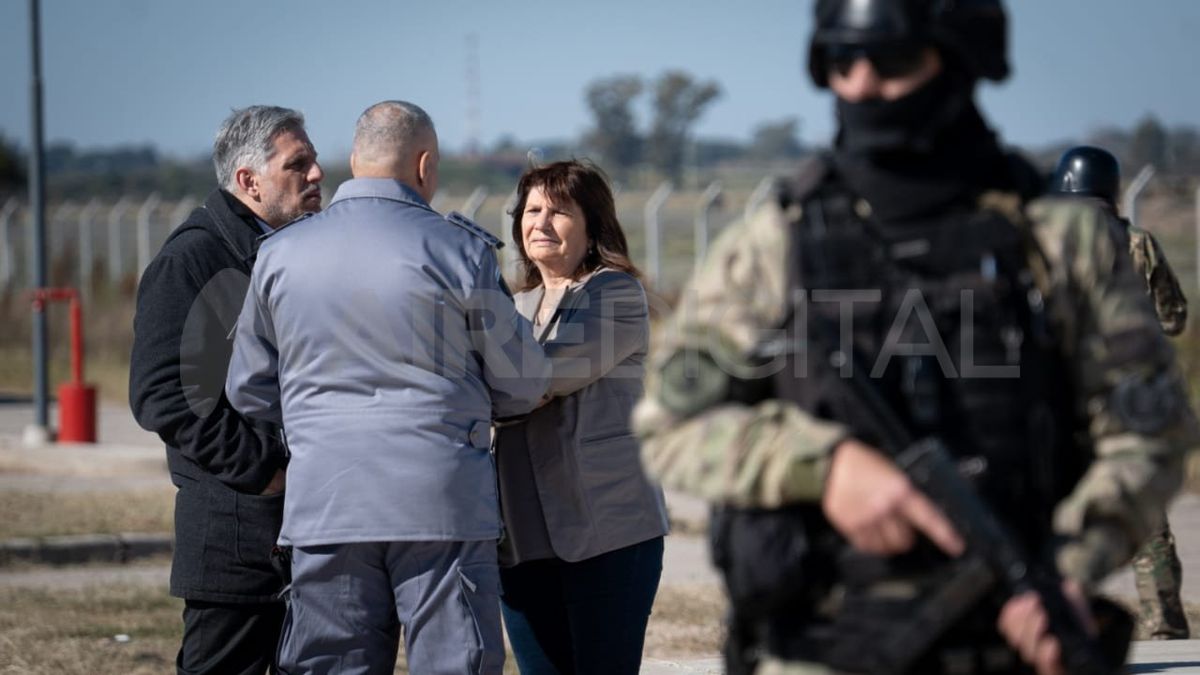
[479, 589]
[258, 521]
[284, 655]
[191, 537]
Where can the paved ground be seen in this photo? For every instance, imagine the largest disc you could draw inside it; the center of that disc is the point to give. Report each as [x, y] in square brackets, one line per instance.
[129, 457]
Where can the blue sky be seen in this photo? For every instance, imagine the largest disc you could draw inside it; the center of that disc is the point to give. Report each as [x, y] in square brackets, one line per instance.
[167, 71]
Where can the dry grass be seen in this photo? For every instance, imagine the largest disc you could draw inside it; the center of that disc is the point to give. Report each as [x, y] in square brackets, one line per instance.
[73, 632]
[108, 372]
[686, 621]
[40, 514]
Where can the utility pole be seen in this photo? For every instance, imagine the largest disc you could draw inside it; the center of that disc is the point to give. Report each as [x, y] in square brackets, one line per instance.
[39, 432]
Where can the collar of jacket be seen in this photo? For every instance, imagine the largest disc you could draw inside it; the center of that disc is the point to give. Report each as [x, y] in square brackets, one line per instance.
[527, 302]
[234, 224]
[379, 188]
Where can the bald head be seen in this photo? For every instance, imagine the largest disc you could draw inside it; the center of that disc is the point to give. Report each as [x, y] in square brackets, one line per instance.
[396, 139]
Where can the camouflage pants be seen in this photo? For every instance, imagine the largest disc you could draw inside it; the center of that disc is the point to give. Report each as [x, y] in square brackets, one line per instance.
[1159, 577]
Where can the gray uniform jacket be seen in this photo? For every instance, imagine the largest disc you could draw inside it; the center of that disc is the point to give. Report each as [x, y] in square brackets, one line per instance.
[585, 460]
[383, 338]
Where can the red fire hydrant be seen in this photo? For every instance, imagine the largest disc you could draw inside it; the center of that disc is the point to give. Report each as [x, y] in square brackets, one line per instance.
[76, 400]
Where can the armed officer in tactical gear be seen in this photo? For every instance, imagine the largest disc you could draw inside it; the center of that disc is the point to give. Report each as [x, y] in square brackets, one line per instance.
[1093, 173]
[908, 285]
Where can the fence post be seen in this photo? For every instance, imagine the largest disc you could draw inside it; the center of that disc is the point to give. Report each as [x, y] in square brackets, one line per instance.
[57, 224]
[181, 211]
[512, 257]
[1129, 203]
[143, 232]
[115, 255]
[760, 194]
[8, 260]
[653, 205]
[56, 228]
[471, 206]
[710, 198]
[86, 215]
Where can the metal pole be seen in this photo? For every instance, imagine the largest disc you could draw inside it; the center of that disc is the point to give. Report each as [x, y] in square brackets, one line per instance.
[1130, 201]
[471, 206]
[760, 194]
[181, 211]
[707, 200]
[143, 232]
[115, 262]
[40, 431]
[86, 215]
[511, 258]
[657, 199]
[8, 260]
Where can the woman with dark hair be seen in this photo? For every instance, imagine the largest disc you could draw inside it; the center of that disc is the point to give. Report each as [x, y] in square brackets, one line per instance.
[582, 555]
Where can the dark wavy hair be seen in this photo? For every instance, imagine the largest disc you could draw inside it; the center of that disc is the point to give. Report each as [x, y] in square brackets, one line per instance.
[585, 184]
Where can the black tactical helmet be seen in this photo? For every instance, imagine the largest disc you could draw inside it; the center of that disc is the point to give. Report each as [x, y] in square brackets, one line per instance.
[972, 32]
[1089, 172]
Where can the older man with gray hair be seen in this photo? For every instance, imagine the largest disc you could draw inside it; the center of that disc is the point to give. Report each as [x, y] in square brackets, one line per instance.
[381, 335]
[229, 470]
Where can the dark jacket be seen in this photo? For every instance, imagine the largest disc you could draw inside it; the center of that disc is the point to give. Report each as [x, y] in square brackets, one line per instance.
[188, 302]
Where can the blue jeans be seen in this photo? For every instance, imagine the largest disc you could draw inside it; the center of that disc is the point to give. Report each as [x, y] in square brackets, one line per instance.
[583, 617]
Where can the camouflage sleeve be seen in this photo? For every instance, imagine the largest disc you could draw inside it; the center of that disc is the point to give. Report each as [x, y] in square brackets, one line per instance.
[1129, 391]
[1169, 301]
[696, 435]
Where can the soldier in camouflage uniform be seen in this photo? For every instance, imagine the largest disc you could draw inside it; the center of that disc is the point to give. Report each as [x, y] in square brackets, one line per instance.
[916, 212]
[1093, 173]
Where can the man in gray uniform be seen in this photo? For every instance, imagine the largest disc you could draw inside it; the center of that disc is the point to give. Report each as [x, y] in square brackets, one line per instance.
[382, 336]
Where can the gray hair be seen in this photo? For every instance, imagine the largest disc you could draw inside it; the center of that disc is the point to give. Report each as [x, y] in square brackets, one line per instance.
[247, 138]
[391, 129]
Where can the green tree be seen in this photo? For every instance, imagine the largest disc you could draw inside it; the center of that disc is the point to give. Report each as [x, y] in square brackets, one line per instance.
[678, 102]
[614, 135]
[776, 140]
[1149, 145]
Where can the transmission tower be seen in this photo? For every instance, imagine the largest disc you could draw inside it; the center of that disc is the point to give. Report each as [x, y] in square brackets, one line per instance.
[472, 147]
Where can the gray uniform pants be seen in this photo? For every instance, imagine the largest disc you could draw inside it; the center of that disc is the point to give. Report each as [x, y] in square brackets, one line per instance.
[348, 602]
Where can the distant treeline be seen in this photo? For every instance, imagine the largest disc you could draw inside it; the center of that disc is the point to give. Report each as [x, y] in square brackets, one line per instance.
[81, 174]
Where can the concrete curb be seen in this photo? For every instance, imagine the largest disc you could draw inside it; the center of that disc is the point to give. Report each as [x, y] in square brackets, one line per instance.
[84, 548]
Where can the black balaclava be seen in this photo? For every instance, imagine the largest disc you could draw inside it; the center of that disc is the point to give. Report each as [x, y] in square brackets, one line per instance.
[917, 155]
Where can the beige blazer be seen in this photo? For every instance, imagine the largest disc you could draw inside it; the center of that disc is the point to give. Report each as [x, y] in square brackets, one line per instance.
[585, 458]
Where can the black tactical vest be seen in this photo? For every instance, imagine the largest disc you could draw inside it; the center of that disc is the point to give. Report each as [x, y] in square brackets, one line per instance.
[942, 321]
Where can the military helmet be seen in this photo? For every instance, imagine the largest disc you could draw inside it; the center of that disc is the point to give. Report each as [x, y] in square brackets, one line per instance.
[1088, 171]
[974, 33]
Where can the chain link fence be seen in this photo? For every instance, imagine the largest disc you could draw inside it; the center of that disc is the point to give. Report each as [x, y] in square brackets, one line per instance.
[105, 244]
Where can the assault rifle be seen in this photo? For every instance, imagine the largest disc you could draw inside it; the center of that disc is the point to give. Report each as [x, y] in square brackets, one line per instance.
[933, 471]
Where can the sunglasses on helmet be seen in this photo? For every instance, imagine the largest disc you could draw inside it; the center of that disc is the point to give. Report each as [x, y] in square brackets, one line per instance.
[889, 61]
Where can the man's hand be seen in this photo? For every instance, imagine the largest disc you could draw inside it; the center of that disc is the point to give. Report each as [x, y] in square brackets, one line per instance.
[872, 503]
[1023, 622]
[276, 485]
